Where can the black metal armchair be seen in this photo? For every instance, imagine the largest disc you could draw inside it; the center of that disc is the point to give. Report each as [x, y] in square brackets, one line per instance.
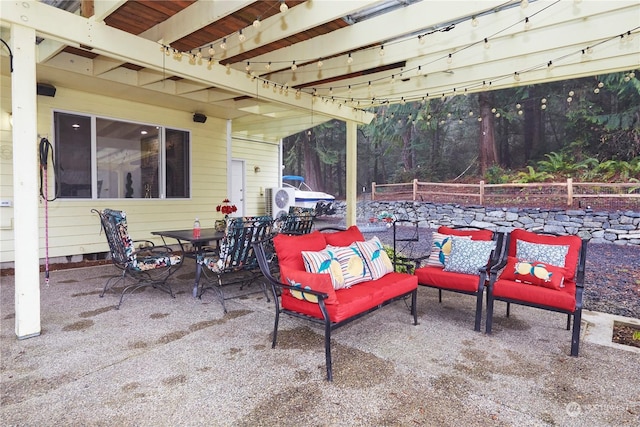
[149, 265]
[235, 261]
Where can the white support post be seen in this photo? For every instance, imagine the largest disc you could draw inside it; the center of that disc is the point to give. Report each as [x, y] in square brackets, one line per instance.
[25, 182]
[352, 172]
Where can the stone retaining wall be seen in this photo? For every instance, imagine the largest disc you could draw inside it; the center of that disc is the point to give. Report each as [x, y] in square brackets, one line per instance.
[621, 228]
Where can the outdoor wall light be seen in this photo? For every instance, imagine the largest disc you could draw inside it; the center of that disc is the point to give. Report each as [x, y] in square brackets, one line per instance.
[256, 169]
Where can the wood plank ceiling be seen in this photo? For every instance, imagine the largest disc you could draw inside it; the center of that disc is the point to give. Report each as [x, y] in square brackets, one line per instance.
[332, 55]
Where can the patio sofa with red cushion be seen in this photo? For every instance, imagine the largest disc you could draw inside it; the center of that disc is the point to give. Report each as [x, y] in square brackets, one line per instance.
[333, 278]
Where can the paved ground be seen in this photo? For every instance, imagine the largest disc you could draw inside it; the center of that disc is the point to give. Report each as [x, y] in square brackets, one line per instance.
[161, 361]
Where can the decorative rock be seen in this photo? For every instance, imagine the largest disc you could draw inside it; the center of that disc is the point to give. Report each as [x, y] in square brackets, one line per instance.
[598, 227]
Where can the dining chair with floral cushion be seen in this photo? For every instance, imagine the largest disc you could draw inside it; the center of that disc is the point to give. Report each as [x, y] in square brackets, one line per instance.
[234, 260]
[147, 265]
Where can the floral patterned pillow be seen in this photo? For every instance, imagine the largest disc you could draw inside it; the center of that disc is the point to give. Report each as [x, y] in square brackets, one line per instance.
[546, 254]
[469, 256]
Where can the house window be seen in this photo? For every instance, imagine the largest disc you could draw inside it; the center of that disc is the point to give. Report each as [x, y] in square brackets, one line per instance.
[131, 160]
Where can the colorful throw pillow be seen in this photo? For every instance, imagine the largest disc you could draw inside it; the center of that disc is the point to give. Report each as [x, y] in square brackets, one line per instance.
[375, 257]
[302, 280]
[324, 262]
[469, 256]
[547, 254]
[534, 273]
[440, 249]
[351, 264]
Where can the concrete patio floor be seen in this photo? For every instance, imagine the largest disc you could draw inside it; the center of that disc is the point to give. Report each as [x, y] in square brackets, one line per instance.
[163, 361]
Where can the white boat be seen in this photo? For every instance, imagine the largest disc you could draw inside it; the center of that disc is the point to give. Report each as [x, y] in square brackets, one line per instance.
[307, 197]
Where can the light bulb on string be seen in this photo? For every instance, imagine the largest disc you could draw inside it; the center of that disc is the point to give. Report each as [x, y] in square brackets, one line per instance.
[241, 37]
[267, 66]
[524, 4]
[256, 23]
[209, 63]
[516, 76]
[450, 59]
[223, 45]
[211, 50]
[248, 67]
[320, 63]
[349, 59]
[294, 66]
[421, 39]
[487, 45]
[381, 53]
[474, 21]
[283, 6]
[527, 24]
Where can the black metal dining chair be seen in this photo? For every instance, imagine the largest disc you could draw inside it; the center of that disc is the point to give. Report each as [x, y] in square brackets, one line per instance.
[149, 265]
[234, 260]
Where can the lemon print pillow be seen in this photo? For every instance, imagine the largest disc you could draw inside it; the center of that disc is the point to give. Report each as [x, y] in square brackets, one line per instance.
[534, 273]
[351, 264]
[324, 262]
[441, 249]
[375, 257]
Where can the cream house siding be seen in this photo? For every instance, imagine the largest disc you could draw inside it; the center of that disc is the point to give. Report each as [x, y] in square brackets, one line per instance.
[73, 229]
[6, 170]
[264, 155]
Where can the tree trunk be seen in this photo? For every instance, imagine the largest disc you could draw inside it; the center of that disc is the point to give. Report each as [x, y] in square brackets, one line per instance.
[488, 154]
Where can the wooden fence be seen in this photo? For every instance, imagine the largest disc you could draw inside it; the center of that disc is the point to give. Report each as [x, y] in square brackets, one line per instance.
[565, 195]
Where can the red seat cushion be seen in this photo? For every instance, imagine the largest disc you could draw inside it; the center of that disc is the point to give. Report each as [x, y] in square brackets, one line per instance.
[289, 248]
[564, 299]
[574, 243]
[474, 234]
[357, 299]
[344, 238]
[436, 276]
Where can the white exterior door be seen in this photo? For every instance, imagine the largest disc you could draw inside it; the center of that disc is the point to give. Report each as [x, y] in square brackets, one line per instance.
[237, 185]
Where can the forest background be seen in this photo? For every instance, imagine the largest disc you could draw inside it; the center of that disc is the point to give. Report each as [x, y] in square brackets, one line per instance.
[587, 129]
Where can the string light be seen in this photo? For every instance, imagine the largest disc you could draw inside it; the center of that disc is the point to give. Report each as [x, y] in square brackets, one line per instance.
[487, 45]
[283, 6]
[349, 59]
[267, 66]
[381, 50]
[211, 50]
[293, 66]
[421, 39]
[223, 45]
[474, 21]
[527, 24]
[524, 4]
[450, 59]
[256, 23]
[241, 37]
[516, 76]
[320, 63]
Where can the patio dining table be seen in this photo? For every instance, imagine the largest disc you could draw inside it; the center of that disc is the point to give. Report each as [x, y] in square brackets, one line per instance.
[207, 235]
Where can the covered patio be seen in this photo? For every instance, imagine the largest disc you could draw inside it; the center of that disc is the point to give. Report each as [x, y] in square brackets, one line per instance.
[259, 71]
[164, 361]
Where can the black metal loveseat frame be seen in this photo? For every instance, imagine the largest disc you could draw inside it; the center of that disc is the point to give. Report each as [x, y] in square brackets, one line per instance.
[265, 255]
